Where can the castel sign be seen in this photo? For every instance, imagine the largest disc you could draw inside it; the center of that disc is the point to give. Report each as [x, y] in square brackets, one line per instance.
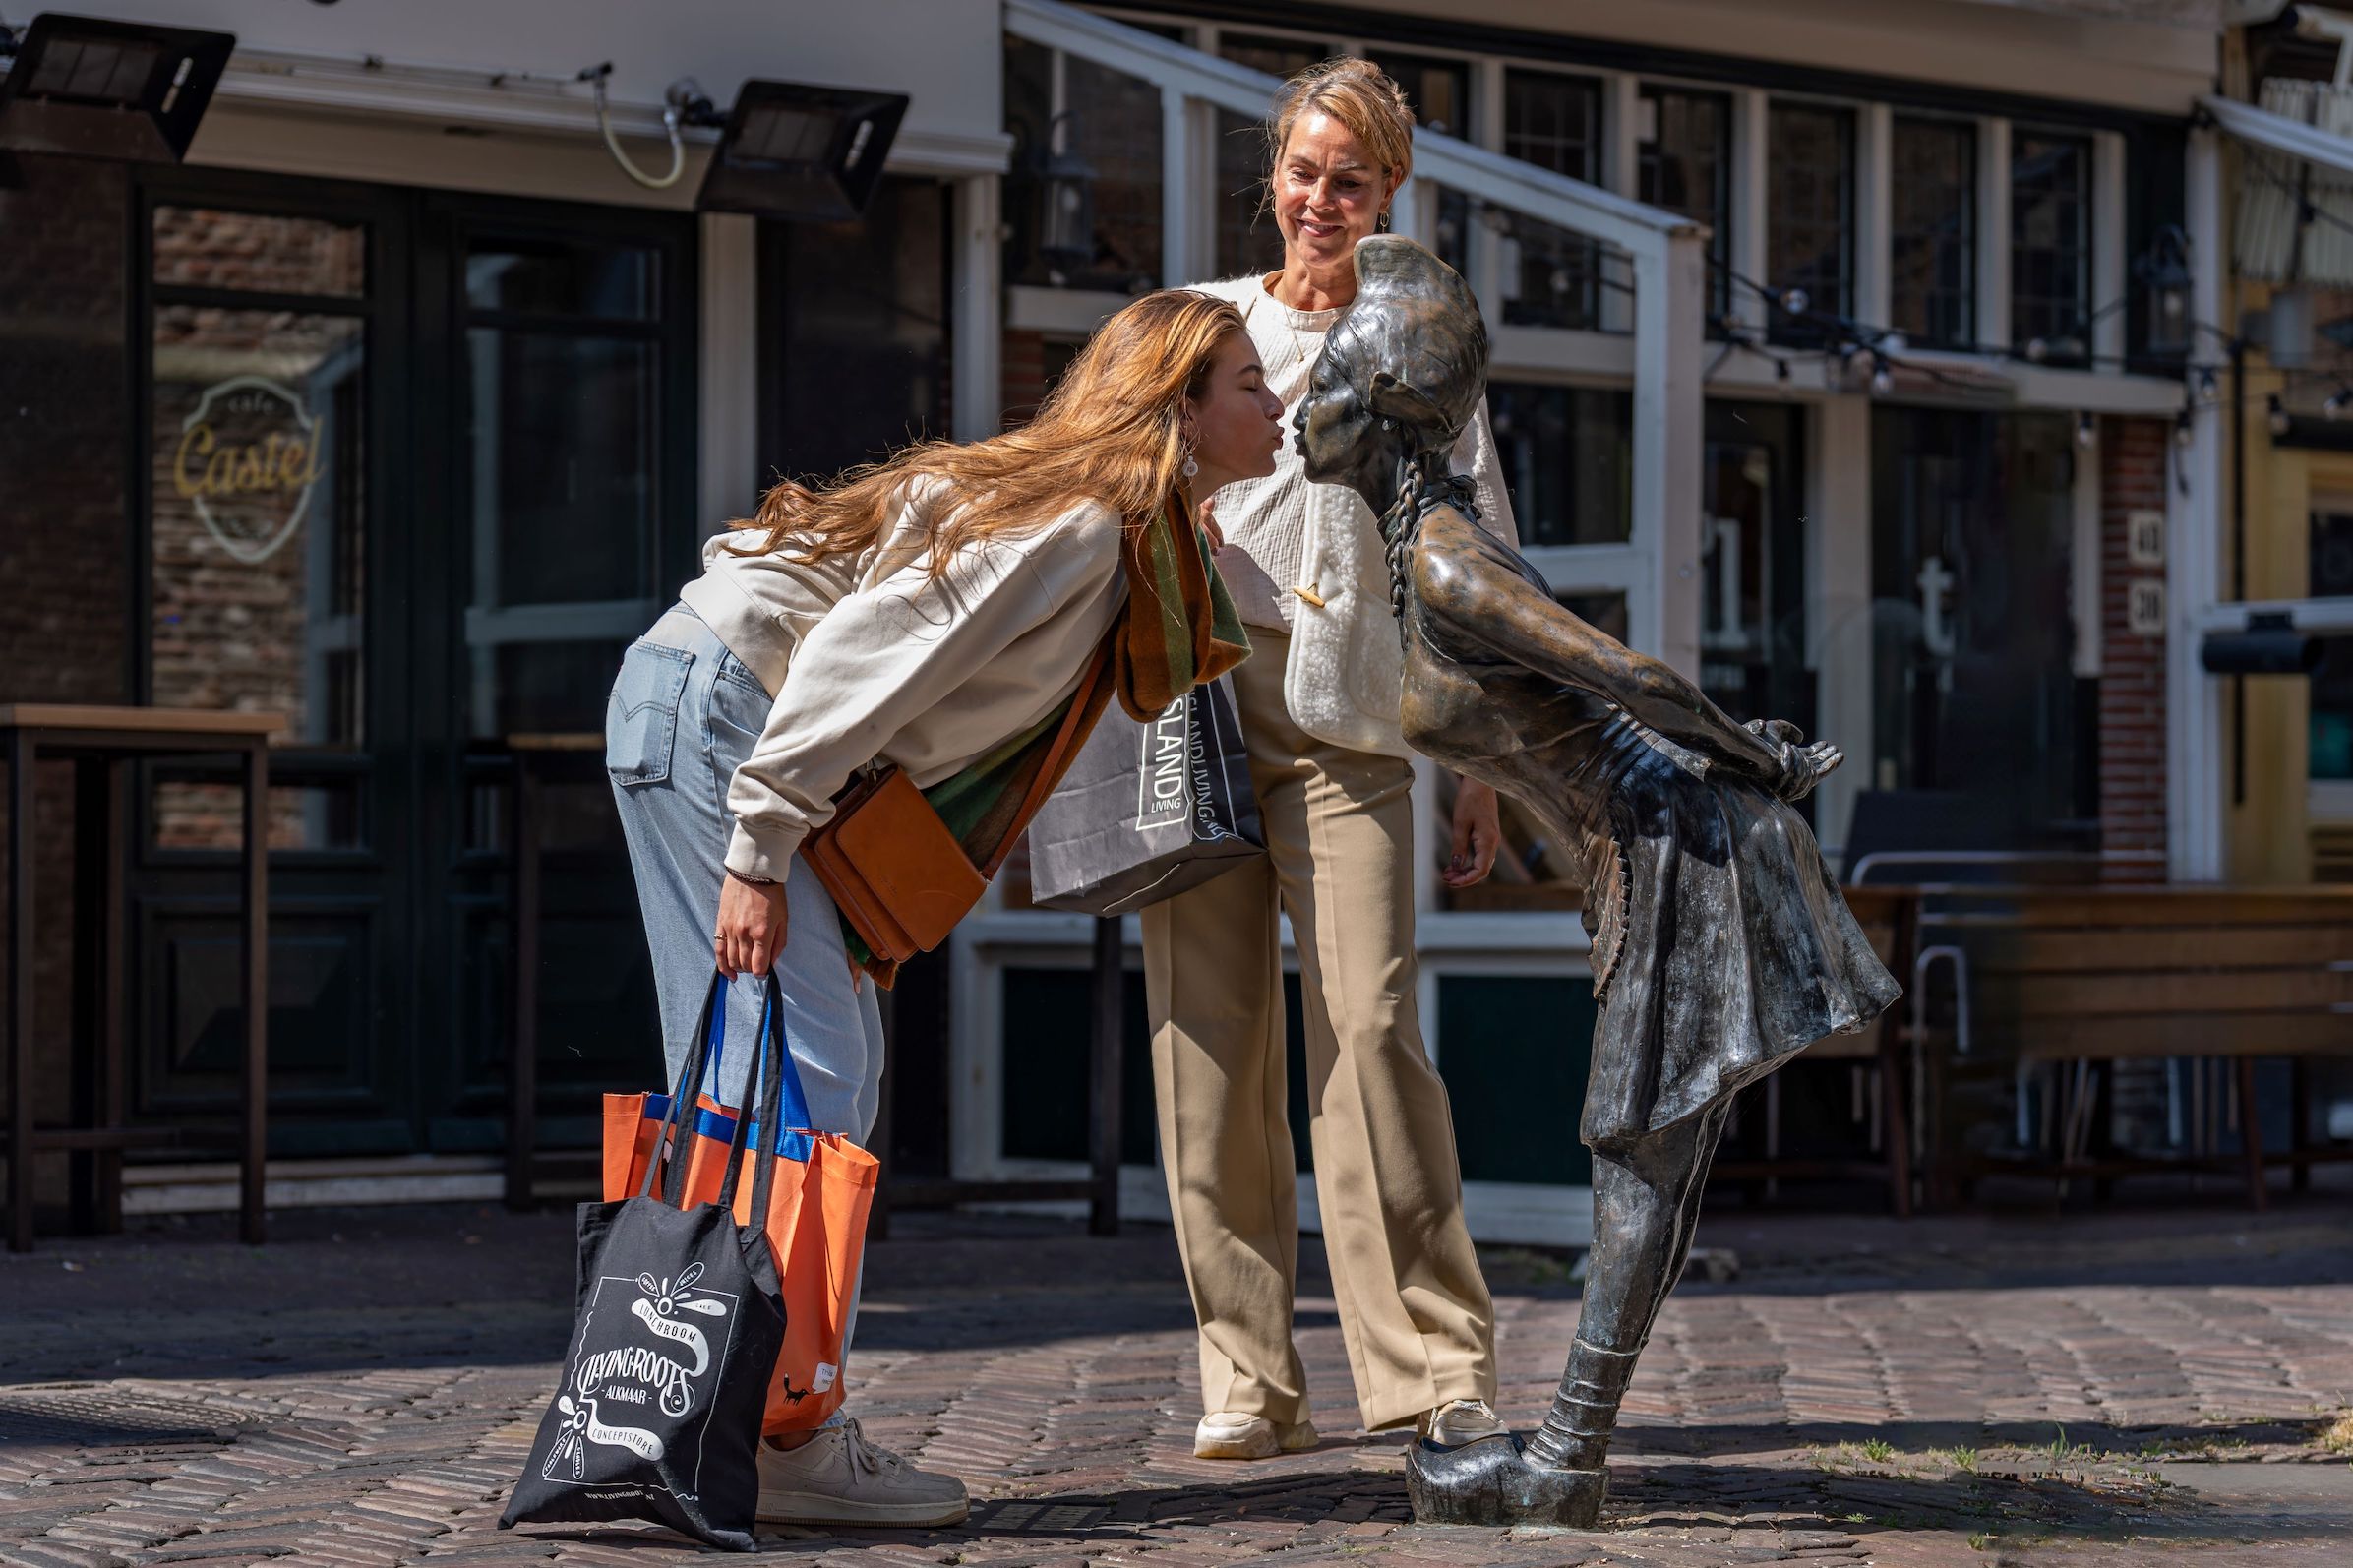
[247, 460]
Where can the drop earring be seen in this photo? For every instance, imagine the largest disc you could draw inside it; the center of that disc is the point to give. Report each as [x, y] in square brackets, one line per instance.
[1190, 467]
[1381, 223]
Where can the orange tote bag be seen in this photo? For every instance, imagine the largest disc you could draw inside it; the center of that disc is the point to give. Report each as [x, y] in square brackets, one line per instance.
[821, 1195]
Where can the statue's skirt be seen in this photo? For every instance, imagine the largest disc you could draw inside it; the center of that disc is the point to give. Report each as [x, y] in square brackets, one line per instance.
[1721, 945]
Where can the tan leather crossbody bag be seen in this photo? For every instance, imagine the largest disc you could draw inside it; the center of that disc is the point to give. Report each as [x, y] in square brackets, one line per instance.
[895, 871]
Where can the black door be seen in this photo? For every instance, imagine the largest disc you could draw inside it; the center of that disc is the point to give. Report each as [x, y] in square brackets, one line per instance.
[415, 470]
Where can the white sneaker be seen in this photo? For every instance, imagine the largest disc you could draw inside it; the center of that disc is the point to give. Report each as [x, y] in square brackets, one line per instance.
[1459, 1421]
[838, 1477]
[1229, 1434]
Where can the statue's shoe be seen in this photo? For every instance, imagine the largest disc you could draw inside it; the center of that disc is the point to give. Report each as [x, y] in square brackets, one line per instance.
[1493, 1483]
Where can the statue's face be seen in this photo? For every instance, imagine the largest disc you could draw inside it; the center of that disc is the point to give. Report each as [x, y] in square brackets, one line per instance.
[1336, 431]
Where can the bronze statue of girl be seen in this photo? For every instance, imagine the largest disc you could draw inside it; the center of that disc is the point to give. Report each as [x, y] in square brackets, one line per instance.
[1720, 945]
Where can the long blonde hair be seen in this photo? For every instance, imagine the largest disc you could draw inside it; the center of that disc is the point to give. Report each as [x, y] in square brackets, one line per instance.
[1112, 429]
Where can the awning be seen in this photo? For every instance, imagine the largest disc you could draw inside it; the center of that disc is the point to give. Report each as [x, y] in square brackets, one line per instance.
[2299, 148]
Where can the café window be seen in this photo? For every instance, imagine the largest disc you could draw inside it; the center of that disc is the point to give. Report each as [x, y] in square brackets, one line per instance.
[258, 508]
[1975, 691]
[1567, 457]
[1683, 164]
[1932, 286]
[1100, 227]
[854, 333]
[2050, 244]
[1551, 277]
[1248, 239]
[1438, 92]
[1809, 225]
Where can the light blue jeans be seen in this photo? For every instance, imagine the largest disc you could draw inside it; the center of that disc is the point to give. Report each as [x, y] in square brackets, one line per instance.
[684, 715]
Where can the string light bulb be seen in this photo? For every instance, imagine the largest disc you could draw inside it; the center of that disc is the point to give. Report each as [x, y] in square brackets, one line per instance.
[2087, 431]
[1883, 380]
[1796, 301]
[2332, 407]
[2184, 430]
[1780, 370]
[2276, 415]
[2037, 350]
[2209, 389]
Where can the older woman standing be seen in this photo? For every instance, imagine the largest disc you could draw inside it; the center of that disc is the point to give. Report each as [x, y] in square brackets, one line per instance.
[1319, 712]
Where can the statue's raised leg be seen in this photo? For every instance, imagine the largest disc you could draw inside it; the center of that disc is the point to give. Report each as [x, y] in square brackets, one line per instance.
[1646, 1206]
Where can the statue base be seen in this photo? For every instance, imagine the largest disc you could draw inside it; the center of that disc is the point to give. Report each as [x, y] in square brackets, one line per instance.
[1491, 1483]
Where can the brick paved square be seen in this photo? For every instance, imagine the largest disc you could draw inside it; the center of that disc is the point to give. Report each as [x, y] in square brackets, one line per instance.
[2104, 1389]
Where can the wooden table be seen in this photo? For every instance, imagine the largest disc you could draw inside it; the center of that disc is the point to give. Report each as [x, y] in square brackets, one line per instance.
[99, 741]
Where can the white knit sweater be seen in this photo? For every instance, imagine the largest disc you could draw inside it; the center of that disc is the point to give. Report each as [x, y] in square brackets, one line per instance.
[1285, 532]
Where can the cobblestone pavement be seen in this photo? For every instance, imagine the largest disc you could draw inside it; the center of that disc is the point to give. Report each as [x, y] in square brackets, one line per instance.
[2103, 1389]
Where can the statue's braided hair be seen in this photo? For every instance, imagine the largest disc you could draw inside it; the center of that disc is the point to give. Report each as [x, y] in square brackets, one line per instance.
[1423, 485]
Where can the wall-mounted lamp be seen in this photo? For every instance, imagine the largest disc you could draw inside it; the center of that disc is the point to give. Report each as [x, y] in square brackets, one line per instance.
[114, 90]
[2165, 274]
[1065, 183]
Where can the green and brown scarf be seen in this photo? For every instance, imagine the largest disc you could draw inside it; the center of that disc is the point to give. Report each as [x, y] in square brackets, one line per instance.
[1178, 630]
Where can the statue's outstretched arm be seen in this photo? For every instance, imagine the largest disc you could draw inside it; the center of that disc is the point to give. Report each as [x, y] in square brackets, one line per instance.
[1506, 614]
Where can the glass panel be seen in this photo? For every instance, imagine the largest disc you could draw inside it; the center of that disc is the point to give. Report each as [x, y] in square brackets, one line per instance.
[563, 450]
[2331, 746]
[204, 247]
[1098, 134]
[563, 277]
[533, 687]
[1682, 164]
[1248, 239]
[1809, 229]
[1439, 92]
[301, 816]
[1551, 277]
[1933, 239]
[1752, 565]
[1972, 640]
[2050, 243]
[1602, 609]
[857, 362]
[1566, 453]
[258, 518]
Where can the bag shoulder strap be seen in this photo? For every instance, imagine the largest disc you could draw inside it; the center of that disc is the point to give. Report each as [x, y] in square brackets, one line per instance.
[1085, 708]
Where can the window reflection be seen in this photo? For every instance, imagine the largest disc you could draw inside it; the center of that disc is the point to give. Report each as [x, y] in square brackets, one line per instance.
[1566, 455]
[1551, 277]
[1973, 658]
[1057, 105]
[1932, 286]
[1809, 203]
[2050, 243]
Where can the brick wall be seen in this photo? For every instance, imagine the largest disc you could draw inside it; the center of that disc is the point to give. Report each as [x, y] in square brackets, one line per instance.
[1021, 376]
[2135, 459]
[65, 540]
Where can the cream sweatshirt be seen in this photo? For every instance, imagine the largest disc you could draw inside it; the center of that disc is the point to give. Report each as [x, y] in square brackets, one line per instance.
[868, 657]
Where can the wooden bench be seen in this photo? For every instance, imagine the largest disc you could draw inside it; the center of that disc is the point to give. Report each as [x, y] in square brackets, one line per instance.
[1890, 918]
[2093, 976]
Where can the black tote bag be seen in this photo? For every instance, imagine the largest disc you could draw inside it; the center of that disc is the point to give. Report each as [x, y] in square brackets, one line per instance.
[678, 1322]
[1148, 810]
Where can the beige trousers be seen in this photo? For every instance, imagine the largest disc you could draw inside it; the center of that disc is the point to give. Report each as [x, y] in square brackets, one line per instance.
[1413, 1308]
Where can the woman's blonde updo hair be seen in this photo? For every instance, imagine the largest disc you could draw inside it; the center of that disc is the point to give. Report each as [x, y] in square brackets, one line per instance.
[1359, 95]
